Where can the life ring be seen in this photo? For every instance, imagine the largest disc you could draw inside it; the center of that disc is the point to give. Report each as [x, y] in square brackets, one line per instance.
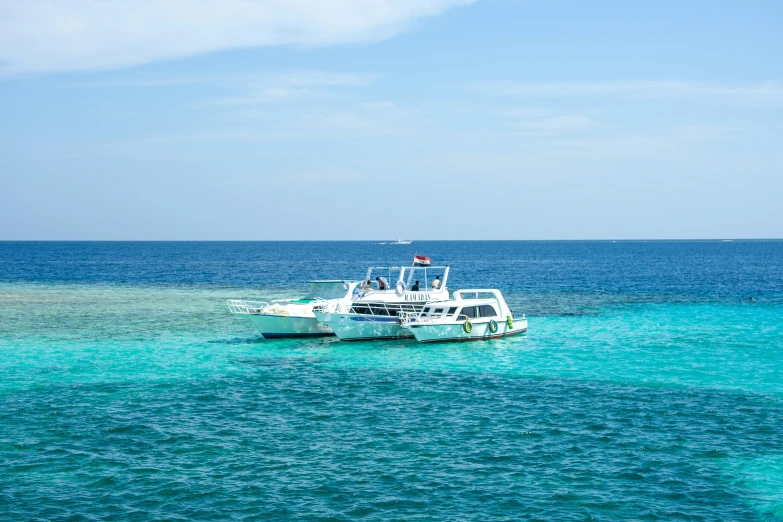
[493, 326]
[509, 322]
[467, 326]
[400, 290]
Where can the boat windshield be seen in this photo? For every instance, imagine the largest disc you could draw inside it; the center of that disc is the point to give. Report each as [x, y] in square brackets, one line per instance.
[327, 290]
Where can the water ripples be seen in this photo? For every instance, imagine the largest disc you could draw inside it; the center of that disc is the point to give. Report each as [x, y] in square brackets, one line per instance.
[292, 438]
[648, 387]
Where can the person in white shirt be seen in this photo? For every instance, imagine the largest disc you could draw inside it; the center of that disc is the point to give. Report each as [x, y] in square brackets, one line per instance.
[435, 283]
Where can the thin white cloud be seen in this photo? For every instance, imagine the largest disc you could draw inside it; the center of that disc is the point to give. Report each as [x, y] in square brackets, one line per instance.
[317, 78]
[285, 86]
[287, 123]
[543, 122]
[291, 79]
[766, 94]
[525, 112]
[565, 124]
[379, 105]
[668, 143]
[267, 95]
[73, 35]
[141, 81]
[567, 154]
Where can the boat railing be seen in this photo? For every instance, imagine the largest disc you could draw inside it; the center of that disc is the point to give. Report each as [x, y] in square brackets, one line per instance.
[238, 306]
[407, 274]
[420, 318]
[381, 308]
[409, 317]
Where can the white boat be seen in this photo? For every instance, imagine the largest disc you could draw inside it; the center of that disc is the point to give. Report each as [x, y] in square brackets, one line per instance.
[374, 313]
[400, 241]
[471, 315]
[294, 317]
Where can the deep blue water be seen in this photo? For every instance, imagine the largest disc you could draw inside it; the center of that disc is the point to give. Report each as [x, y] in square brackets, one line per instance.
[648, 387]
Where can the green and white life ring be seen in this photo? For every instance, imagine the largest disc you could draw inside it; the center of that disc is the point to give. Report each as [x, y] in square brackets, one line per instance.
[467, 326]
[493, 326]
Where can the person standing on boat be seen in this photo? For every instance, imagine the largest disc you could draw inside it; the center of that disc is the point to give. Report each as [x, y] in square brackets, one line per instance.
[415, 287]
[435, 283]
[383, 284]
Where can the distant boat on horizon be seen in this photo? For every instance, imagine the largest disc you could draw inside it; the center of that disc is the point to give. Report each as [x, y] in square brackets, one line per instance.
[401, 241]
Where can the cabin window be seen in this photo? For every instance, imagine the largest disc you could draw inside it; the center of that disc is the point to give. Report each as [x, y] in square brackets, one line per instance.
[487, 311]
[452, 310]
[438, 311]
[469, 312]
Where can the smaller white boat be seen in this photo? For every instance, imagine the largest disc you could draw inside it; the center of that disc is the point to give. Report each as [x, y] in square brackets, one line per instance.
[400, 241]
[471, 315]
[294, 317]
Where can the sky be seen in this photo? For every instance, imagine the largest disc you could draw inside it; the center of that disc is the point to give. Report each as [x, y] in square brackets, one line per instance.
[378, 119]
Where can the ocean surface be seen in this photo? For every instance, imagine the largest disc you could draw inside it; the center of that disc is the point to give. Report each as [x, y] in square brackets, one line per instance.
[648, 387]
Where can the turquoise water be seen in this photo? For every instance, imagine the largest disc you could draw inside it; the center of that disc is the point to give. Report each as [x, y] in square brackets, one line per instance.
[139, 400]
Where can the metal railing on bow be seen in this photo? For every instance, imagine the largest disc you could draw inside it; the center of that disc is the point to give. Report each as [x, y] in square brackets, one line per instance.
[238, 306]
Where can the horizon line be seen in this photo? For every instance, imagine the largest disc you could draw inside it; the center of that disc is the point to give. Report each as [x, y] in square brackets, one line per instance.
[387, 241]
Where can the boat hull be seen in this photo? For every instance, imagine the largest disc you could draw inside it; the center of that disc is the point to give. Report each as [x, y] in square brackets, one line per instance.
[282, 326]
[358, 327]
[434, 333]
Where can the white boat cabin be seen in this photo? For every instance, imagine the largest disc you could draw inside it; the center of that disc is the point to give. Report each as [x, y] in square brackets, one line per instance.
[470, 315]
[486, 304]
[387, 291]
[399, 283]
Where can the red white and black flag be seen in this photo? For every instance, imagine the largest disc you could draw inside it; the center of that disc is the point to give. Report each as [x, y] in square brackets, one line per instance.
[421, 260]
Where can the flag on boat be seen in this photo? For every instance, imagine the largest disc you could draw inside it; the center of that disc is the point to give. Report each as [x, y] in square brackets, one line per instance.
[421, 260]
